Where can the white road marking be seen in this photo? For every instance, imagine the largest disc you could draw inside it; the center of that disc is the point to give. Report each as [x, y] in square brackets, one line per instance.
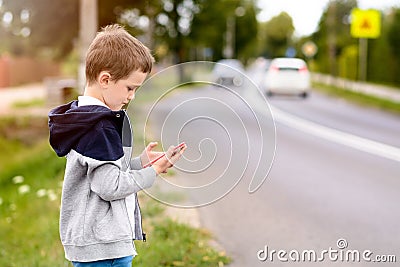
[333, 135]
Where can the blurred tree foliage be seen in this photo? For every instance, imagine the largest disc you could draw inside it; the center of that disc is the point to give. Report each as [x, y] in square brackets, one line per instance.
[54, 25]
[185, 29]
[111, 11]
[333, 35]
[247, 32]
[158, 23]
[393, 39]
[276, 35]
[40, 24]
[394, 32]
[173, 24]
[210, 25]
[381, 54]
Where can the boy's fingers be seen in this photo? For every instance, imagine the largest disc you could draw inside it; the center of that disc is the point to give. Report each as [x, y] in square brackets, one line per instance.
[169, 154]
[180, 152]
[170, 151]
[183, 149]
[151, 145]
[175, 157]
[172, 156]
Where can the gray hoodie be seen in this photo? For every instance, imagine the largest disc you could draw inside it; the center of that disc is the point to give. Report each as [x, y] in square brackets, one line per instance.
[100, 215]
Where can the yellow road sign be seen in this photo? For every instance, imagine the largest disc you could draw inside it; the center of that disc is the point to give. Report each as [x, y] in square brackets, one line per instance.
[365, 23]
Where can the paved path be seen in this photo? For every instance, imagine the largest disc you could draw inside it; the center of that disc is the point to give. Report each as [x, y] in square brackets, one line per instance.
[11, 95]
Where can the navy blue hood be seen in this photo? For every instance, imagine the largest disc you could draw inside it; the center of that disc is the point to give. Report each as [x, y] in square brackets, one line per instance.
[69, 123]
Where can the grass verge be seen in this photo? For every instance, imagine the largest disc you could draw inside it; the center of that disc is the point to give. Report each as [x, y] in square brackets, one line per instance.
[359, 98]
[174, 244]
[31, 179]
[36, 102]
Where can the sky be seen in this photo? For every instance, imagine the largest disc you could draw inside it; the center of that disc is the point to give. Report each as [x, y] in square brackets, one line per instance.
[306, 13]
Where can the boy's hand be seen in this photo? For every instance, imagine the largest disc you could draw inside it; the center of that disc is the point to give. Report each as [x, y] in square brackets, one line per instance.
[148, 154]
[171, 156]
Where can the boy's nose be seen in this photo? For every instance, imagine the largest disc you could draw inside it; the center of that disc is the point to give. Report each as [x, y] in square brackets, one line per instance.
[131, 96]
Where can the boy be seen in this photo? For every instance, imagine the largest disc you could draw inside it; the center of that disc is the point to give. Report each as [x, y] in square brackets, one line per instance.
[100, 215]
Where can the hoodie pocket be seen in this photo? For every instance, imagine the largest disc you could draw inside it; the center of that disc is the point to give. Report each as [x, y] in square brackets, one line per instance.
[114, 225]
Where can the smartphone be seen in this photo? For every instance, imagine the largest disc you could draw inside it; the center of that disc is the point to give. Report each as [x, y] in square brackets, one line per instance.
[176, 150]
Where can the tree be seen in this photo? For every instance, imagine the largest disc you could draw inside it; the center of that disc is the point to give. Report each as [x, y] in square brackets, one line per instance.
[53, 25]
[393, 38]
[246, 31]
[380, 51]
[177, 26]
[333, 34]
[46, 24]
[277, 35]
[210, 25]
[393, 34]
[126, 12]
[157, 22]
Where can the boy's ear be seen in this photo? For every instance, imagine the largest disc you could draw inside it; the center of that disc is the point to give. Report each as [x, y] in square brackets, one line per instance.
[104, 78]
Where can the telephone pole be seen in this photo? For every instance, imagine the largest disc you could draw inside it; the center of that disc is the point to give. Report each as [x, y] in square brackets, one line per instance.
[87, 31]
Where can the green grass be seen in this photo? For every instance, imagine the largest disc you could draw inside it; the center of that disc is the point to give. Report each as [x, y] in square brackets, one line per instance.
[359, 98]
[37, 102]
[30, 180]
[28, 222]
[175, 244]
[170, 243]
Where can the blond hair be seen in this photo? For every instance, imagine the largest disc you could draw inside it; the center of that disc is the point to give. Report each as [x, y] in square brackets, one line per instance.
[116, 51]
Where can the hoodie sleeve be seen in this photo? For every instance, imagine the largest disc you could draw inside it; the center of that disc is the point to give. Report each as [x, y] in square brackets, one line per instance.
[103, 154]
[110, 183]
[136, 164]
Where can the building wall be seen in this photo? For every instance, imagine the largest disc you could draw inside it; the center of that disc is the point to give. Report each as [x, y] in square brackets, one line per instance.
[15, 71]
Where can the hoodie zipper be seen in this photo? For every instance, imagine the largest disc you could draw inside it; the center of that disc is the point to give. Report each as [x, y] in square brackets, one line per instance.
[141, 220]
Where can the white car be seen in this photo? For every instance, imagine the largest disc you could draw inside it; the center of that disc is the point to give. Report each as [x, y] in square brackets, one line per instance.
[228, 71]
[288, 76]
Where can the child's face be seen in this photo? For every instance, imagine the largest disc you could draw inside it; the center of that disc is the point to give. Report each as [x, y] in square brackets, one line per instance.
[119, 93]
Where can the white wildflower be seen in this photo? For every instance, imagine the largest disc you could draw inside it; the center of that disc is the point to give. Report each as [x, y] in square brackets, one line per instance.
[41, 193]
[18, 179]
[23, 189]
[8, 219]
[52, 196]
[1, 201]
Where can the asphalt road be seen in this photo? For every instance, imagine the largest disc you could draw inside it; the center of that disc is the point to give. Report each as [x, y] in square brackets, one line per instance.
[335, 178]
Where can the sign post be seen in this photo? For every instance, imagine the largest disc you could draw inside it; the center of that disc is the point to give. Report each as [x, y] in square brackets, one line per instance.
[87, 32]
[364, 24]
[309, 50]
